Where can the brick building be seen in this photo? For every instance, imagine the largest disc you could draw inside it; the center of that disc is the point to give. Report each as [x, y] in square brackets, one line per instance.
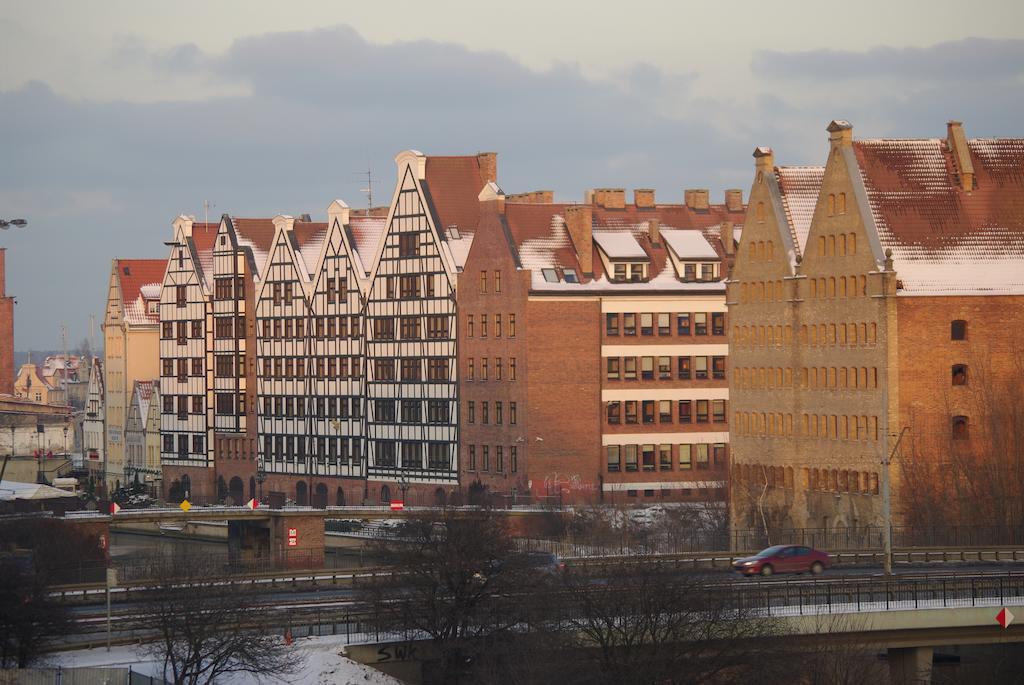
[409, 349]
[855, 287]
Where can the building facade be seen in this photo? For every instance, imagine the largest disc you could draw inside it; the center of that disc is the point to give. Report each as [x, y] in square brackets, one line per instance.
[853, 289]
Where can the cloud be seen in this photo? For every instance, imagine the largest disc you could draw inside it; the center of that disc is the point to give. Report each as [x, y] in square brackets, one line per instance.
[972, 59]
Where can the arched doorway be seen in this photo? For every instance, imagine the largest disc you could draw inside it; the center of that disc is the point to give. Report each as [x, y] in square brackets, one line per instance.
[222, 489]
[186, 486]
[236, 490]
[301, 494]
[320, 496]
[385, 494]
[439, 497]
[176, 492]
[339, 497]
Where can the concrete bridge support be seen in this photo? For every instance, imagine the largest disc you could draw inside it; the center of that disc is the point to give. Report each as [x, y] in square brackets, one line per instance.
[910, 665]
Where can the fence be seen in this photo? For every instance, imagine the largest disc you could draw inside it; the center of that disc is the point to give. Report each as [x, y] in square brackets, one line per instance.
[76, 676]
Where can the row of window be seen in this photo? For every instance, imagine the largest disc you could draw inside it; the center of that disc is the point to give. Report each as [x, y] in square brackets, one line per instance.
[852, 377]
[320, 367]
[496, 329]
[182, 450]
[297, 447]
[409, 455]
[661, 411]
[186, 404]
[497, 281]
[185, 366]
[661, 323]
[411, 327]
[182, 330]
[410, 287]
[817, 288]
[664, 368]
[813, 335]
[313, 407]
[664, 457]
[485, 458]
[229, 288]
[295, 328]
[826, 426]
[411, 369]
[827, 480]
[485, 369]
[410, 411]
[485, 413]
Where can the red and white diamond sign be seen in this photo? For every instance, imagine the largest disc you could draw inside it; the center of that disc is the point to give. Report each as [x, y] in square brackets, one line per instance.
[114, 507]
[252, 504]
[1005, 618]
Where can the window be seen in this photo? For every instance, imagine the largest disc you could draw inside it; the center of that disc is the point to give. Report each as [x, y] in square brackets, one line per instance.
[718, 367]
[168, 402]
[685, 457]
[685, 411]
[702, 456]
[411, 369]
[702, 411]
[167, 367]
[707, 272]
[499, 410]
[197, 444]
[718, 323]
[690, 272]
[664, 324]
[629, 368]
[700, 324]
[611, 324]
[497, 281]
[472, 457]
[631, 457]
[182, 338]
[383, 329]
[613, 368]
[570, 276]
[550, 275]
[483, 325]
[437, 456]
[471, 411]
[959, 374]
[614, 459]
[682, 324]
[664, 368]
[614, 412]
[960, 427]
[409, 327]
[483, 281]
[647, 457]
[511, 325]
[224, 365]
[181, 295]
[647, 368]
[718, 454]
[664, 411]
[718, 411]
[631, 415]
[412, 411]
[665, 457]
[438, 411]
[197, 366]
[512, 414]
[471, 371]
[497, 325]
[408, 287]
[647, 406]
[483, 369]
[511, 368]
[700, 365]
[437, 327]
[225, 405]
[469, 325]
[166, 330]
[485, 413]
[647, 324]
[958, 330]
[383, 369]
[197, 329]
[629, 324]
[683, 367]
[408, 245]
[384, 411]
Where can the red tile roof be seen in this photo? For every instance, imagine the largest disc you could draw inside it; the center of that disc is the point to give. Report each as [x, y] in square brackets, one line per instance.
[946, 240]
[453, 186]
[132, 275]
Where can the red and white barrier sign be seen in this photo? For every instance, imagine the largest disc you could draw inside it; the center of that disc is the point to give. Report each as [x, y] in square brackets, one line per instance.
[252, 504]
[293, 537]
[397, 505]
[114, 507]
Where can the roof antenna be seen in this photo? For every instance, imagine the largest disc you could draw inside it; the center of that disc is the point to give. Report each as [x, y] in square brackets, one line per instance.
[368, 189]
[206, 211]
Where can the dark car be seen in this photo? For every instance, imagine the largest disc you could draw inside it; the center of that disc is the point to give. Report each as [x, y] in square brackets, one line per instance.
[783, 559]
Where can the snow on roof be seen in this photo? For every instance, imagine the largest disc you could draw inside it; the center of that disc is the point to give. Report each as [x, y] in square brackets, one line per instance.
[619, 245]
[945, 240]
[150, 291]
[799, 187]
[689, 244]
[366, 233]
[133, 275]
[12, 490]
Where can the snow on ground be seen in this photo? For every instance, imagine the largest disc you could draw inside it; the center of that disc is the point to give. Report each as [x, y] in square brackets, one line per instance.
[324, 664]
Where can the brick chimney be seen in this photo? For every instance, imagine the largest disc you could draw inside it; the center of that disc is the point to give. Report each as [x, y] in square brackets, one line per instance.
[734, 200]
[957, 141]
[579, 221]
[654, 230]
[609, 198]
[728, 241]
[840, 133]
[764, 159]
[337, 211]
[488, 162]
[534, 197]
[696, 198]
[643, 198]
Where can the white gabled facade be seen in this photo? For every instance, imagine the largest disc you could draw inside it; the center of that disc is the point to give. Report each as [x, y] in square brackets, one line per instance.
[92, 425]
[184, 340]
[411, 388]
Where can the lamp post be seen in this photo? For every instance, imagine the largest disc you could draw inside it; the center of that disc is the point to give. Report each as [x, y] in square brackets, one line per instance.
[403, 485]
[261, 476]
[887, 506]
[7, 223]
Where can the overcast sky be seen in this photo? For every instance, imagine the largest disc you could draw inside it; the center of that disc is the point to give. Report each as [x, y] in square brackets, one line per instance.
[117, 116]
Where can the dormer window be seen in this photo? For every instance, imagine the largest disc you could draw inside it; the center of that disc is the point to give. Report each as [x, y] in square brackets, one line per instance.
[570, 276]
[550, 275]
[629, 272]
[153, 307]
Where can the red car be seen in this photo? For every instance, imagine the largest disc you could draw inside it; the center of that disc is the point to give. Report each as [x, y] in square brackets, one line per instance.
[783, 559]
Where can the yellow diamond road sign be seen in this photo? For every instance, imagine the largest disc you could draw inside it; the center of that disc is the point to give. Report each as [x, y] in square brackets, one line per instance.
[185, 505]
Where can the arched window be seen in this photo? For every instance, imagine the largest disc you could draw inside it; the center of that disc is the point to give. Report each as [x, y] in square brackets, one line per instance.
[852, 246]
[831, 204]
[186, 486]
[842, 244]
[339, 497]
[831, 246]
[959, 374]
[760, 212]
[821, 246]
[841, 203]
[385, 494]
[958, 330]
[301, 494]
[960, 428]
[236, 490]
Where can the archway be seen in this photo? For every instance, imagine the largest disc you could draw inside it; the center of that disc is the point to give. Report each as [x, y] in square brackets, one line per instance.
[236, 490]
[339, 497]
[320, 499]
[301, 494]
[439, 497]
[222, 489]
[176, 492]
[186, 486]
[385, 494]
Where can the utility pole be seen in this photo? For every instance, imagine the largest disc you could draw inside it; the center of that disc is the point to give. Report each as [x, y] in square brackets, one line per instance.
[887, 506]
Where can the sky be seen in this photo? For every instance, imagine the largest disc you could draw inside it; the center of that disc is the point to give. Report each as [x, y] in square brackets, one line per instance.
[115, 117]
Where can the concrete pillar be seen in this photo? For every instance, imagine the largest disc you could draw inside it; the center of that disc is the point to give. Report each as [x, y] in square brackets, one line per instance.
[910, 665]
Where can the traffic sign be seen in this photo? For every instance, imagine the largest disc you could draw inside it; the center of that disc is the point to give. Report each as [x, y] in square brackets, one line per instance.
[114, 507]
[397, 505]
[293, 537]
[293, 542]
[185, 505]
[252, 504]
[1005, 618]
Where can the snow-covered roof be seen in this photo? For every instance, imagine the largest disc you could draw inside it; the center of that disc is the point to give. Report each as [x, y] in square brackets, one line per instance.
[619, 245]
[12, 490]
[689, 244]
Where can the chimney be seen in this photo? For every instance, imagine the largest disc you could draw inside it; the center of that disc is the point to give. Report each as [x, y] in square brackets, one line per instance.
[643, 198]
[184, 223]
[579, 222]
[306, 218]
[734, 200]
[534, 197]
[728, 242]
[696, 198]
[337, 211]
[654, 231]
[492, 193]
[283, 221]
[488, 162]
[610, 198]
[3, 272]
[764, 159]
[840, 133]
[957, 141]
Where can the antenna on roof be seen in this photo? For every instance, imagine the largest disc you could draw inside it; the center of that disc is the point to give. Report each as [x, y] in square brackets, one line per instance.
[92, 334]
[368, 189]
[206, 211]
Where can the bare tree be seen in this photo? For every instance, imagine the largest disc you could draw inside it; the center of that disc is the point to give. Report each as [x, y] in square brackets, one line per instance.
[208, 629]
[28, 617]
[449, 584]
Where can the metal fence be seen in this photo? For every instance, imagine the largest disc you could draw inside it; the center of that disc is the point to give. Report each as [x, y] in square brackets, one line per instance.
[76, 676]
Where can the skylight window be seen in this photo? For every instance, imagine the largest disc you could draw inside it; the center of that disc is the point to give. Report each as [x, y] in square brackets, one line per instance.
[570, 276]
[550, 275]
[453, 232]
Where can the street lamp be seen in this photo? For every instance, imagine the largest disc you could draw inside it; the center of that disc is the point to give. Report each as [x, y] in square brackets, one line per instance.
[5, 224]
[887, 506]
[261, 476]
[403, 485]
